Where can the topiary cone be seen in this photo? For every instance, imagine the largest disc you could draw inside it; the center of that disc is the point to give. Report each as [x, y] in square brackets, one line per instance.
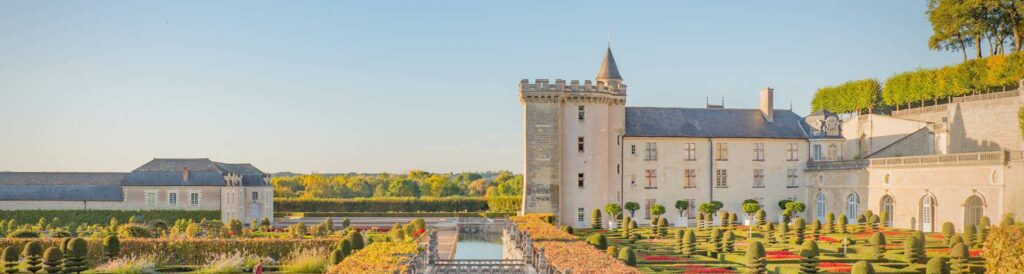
[862, 267]
[809, 257]
[52, 258]
[756, 263]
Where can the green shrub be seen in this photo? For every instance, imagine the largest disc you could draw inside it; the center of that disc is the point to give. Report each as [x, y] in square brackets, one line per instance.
[852, 96]
[75, 259]
[662, 227]
[970, 234]
[959, 255]
[862, 267]
[728, 241]
[911, 254]
[598, 241]
[760, 216]
[595, 217]
[356, 239]
[24, 234]
[877, 242]
[809, 257]
[60, 218]
[798, 230]
[381, 204]
[134, 231]
[52, 258]
[504, 204]
[33, 254]
[947, 231]
[612, 251]
[841, 224]
[627, 256]
[937, 265]
[756, 263]
[111, 246]
[337, 256]
[10, 257]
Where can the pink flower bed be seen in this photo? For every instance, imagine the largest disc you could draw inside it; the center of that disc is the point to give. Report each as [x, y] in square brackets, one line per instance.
[781, 255]
[694, 268]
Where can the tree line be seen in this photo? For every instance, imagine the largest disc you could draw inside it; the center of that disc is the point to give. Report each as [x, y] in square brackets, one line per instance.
[959, 25]
[415, 183]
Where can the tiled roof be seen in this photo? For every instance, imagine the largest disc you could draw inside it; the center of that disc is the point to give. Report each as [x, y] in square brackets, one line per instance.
[712, 123]
[138, 178]
[176, 165]
[52, 192]
[60, 178]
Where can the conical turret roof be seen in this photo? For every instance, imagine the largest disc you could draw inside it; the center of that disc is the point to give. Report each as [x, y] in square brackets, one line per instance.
[608, 71]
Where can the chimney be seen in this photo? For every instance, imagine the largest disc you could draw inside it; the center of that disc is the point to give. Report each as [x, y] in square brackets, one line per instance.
[184, 174]
[766, 104]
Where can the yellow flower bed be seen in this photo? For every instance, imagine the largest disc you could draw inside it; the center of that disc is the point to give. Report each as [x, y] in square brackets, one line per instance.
[377, 258]
[540, 230]
[582, 258]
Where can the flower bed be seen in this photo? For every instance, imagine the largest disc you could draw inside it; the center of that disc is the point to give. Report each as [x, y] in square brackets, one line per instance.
[696, 268]
[780, 255]
[582, 258]
[383, 257]
[828, 239]
[656, 258]
[835, 267]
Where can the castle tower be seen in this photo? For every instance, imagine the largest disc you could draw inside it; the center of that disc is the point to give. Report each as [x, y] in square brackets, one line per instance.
[572, 143]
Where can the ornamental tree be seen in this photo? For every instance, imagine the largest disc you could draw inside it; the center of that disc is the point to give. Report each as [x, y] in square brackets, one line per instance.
[948, 230]
[958, 257]
[682, 206]
[613, 210]
[595, 217]
[756, 263]
[862, 267]
[877, 242]
[33, 254]
[760, 216]
[798, 231]
[627, 256]
[52, 258]
[632, 207]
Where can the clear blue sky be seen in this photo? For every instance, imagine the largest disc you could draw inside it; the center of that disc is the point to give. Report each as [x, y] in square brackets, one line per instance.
[372, 86]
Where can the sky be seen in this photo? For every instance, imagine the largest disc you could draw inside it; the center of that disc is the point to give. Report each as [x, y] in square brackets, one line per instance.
[391, 86]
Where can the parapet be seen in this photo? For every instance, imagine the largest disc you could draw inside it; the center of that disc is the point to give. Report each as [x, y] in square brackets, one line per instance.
[543, 85]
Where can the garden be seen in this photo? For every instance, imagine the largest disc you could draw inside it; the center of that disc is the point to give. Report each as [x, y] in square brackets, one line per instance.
[865, 244]
[198, 245]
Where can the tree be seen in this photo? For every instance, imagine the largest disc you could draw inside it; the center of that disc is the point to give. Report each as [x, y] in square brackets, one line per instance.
[756, 263]
[969, 234]
[877, 242]
[632, 207]
[682, 206]
[336, 257]
[809, 257]
[52, 258]
[751, 208]
[958, 257]
[829, 222]
[689, 244]
[716, 239]
[356, 239]
[595, 219]
[657, 210]
[10, 257]
[624, 227]
[614, 211]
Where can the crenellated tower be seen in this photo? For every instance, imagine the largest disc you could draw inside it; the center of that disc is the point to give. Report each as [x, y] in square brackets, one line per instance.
[573, 143]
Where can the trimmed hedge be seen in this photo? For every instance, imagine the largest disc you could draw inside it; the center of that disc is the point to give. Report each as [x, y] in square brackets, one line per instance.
[392, 214]
[852, 96]
[188, 251]
[396, 204]
[956, 80]
[102, 217]
[505, 204]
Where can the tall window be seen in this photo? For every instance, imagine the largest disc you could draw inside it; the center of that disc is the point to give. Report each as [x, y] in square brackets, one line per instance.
[151, 199]
[652, 152]
[758, 178]
[833, 153]
[852, 206]
[690, 178]
[647, 208]
[193, 199]
[579, 215]
[974, 208]
[816, 154]
[887, 206]
[632, 149]
[255, 195]
[579, 144]
[652, 178]
[579, 179]
[819, 207]
[791, 151]
[579, 114]
[722, 151]
[172, 198]
[690, 151]
[791, 180]
[927, 214]
[721, 178]
[759, 152]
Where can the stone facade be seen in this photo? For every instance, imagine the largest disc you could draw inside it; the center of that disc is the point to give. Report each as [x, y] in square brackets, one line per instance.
[238, 191]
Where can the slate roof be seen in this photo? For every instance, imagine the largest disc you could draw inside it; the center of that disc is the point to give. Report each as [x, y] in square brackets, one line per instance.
[164, 178]
[712, 123]
[176, 165]
[61, 186]
[609, 70]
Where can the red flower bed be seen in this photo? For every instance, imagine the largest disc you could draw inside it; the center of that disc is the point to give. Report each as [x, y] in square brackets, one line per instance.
[976, 252]
[833, 264]
[828, 239]
[695, 268]
[936, 236]
[660, 258]
[780, 252]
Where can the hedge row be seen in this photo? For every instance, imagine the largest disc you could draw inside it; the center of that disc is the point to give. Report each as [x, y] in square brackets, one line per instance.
[1004, 249]
[444, 204]
[961, 79]
[392, 214]
[852, 96]
[67, 217]
[190, 251]
[505, 204]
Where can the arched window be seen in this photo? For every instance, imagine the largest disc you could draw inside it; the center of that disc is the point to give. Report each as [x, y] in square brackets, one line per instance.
[833, 153]
[852, 205]
[887, 207]
[928, 214]
[974, 208]
[819, 208]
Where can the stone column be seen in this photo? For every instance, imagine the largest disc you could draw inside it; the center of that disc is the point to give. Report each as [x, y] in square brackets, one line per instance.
[432, 254]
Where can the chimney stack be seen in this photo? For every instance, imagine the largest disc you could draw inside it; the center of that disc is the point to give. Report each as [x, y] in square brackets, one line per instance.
[184, 174]
[766, 104]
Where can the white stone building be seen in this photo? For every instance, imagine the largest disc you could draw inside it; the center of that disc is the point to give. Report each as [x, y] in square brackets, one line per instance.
[584, 148]
[238, 191]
